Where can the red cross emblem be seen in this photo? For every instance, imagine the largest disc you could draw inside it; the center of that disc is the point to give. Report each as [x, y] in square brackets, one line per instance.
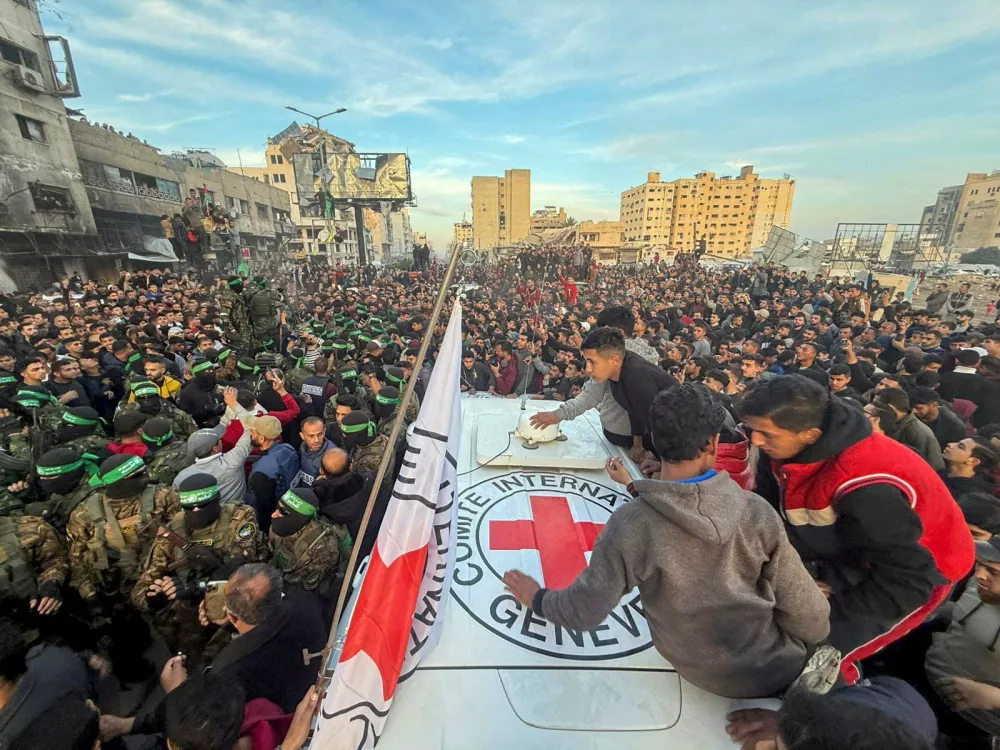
[561, 542]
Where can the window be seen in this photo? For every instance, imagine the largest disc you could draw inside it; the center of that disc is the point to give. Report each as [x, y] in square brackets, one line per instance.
[51, 199]
[19, 55]
[262, 211]
[31, 130]
[275, 179]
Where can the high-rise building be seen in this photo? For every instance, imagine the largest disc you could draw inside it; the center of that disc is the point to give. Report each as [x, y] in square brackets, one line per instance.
[732, 214]
[938, 220]
[549, 218]
[462, 234]
[977, 218]
[501, 208]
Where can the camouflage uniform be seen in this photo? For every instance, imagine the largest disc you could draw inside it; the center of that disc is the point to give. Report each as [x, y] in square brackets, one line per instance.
[368, 457]
[87, 444]
[167, 463]
[31, 556]
[262, 307]
[314, 557]
[236, 324]
[104, 565]
[181, 422]
[266, 360]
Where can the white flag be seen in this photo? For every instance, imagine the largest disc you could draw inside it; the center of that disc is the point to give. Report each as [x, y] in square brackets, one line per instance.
[397, 616]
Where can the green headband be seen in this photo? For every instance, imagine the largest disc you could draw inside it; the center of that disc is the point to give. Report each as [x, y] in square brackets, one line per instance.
[158, 441]
[393, 378]
[223, 354]
[192, 498]
[253, 370]
[348, 374]
[71, 418]
[363, 308]
[339, 317]
[364, 339]
[350, 429]
[201, 367]
[377, 329]
[127, 469]
[294, 502]
[385, 399]
[58, 471]
[134, 358]
[6, 378]
[327, 347]
[341, 347]
[265, 344]
[373, 319]
[235, 282]
[141, 390]
[34, 398]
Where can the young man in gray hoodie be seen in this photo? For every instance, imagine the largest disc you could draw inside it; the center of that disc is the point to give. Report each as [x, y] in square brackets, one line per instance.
[728, 601]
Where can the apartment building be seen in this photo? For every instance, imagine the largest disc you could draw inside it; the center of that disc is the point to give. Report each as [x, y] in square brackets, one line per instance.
[732, 214]
[977, 218]
[549, 217]
[501, 208]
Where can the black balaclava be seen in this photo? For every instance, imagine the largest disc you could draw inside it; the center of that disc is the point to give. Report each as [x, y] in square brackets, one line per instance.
[122, 476]
[296, 508]
[77, 422]
[59, 471]
[204, 375]
[235, 283]
[357, 429]
[386, 402]
[199, 494]
[157, 433]
[147, 396]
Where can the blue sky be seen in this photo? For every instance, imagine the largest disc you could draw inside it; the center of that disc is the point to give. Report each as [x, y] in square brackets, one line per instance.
[870, 106]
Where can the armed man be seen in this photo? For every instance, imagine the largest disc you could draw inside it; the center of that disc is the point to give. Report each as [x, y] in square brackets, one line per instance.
[61, 486]
[235, 322]
[149, 402]
[362, 441]
[201, 540]
[169, 455]
[111, 531]
[81, 430]
[385, 405]
[33, 565]
[310, 552]
[263, 310]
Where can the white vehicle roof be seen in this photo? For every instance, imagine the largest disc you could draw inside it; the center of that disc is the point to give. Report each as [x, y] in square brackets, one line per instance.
[501, 676]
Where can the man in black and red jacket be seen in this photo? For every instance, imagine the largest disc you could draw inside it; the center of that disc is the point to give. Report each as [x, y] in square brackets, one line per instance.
[873, 520]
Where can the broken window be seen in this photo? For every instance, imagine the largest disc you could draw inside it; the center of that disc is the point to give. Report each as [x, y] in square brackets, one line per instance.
[19, 55]
[31, 130]
[51, 199]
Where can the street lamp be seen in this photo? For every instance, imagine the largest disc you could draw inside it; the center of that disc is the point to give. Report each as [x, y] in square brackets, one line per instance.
[322, 156]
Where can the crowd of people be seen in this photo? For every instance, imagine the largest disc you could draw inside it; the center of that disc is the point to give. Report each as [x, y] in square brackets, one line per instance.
[187, 460]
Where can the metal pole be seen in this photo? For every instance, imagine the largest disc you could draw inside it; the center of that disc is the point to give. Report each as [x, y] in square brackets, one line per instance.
[323, 183]
[387, 458]
[359, 220]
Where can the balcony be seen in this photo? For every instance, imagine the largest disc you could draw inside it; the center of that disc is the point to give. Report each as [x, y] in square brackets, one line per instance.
[285, 227]
[128, 188]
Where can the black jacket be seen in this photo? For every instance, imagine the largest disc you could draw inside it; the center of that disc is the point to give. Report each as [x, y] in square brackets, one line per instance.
[636, 387]
[267, 661]
[201, 402]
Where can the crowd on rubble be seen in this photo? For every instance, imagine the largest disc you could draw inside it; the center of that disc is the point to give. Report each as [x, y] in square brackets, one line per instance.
[187, 458]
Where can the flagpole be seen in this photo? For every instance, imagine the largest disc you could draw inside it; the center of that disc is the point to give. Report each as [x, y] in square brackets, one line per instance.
[387, 457]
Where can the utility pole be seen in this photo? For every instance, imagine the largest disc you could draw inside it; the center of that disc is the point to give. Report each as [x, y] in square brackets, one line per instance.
[324, 183]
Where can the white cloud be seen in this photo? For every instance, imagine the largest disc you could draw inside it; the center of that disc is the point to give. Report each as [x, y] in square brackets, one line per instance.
[135, 97]
[512, 139]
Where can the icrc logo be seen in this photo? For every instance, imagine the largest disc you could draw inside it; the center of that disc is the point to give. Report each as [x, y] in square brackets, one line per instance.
[555, 518]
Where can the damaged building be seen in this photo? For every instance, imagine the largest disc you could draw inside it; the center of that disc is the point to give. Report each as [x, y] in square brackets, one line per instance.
[77, 197]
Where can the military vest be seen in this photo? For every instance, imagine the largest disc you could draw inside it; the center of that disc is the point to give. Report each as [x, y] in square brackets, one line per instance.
[16, 578]
[218, 536]
[292, 552]
[56, 509]
[134, 531]
[261, 307]
[167, 463]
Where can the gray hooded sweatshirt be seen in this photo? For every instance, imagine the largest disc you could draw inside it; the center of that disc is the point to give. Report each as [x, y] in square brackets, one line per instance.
[728, 601]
